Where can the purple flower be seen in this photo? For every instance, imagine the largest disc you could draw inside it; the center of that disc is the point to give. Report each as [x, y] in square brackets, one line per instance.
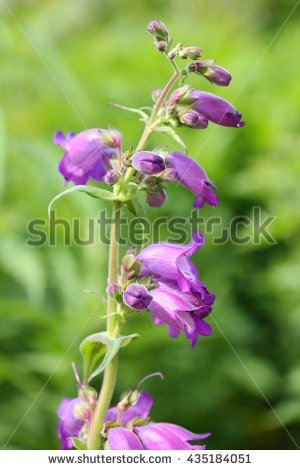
[85, 155]
[170, 263]
[215, 109]
[154, 436]
[141, 409]
[148, 163]
[137, 297]
[69, 425]
[148, 436]
[182, 312]
[156, 198]
[217, 75]
[180, 300]
[191, 175]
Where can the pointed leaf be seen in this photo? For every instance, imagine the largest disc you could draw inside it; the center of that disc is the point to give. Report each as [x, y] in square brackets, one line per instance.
[172, 134]
[98, 193]
[99, 347]
[78, 444]
[131, 110]
[136, 208]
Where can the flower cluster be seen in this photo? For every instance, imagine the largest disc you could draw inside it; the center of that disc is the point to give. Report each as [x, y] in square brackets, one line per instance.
[176, 297]
[127, 427]
[160, 277]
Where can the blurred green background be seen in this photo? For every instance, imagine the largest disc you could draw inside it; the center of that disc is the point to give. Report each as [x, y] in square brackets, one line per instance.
[61, 62]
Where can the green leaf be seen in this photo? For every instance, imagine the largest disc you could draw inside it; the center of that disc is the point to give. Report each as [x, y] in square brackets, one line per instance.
[172, 134]
[78, 444]
[131, 110]
[99, 347]
[97, 193]
[136, 208]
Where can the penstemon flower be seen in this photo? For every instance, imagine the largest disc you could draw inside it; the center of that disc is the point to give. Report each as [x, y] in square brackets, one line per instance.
[135, 431]
[159, 278]
[86, 156]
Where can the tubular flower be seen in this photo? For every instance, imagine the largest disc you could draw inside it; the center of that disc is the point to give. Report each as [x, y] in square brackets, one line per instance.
[182, 312]
[69, 425]
[180, 300]
[191, 175]
[137, 435]
[86, 156]
[170, 263]
[216, 109]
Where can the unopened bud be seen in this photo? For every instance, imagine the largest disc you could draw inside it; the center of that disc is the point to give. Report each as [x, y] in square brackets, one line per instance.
[137, 297]
[113, 289]
[173, 53]
[193, 119]
[161, 46]
[156, 198]
[111, 177]
[217, 75]
[148, 163]
[158, 29]
[192, 52]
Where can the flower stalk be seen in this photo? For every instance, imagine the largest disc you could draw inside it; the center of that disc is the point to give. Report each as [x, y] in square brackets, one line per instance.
[113, 329]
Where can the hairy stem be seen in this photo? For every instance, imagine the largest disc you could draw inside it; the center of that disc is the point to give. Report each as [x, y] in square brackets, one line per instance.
[110, 374]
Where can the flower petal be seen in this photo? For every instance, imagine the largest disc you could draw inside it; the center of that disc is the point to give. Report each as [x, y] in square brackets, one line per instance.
[123, 439]
[191, 175]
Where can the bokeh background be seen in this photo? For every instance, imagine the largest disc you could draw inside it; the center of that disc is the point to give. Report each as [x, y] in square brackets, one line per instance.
[61, 62]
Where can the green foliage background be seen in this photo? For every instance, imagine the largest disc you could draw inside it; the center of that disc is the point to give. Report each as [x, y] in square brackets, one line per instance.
[61, 62]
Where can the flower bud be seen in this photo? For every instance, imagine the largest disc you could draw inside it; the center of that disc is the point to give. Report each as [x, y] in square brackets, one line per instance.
[148, 163]
[161, 46]
[217, 75]
[111, 177]
[113, 289]
[192, 52]
[156, 198]
[173, 53]
[192, 118]
[214, 73]
[137, 297]
[169, 175]
[158, 29]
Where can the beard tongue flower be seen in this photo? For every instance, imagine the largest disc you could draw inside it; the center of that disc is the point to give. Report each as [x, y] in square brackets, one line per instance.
[180, 300]
[135, 432]
[191, 175]
[85, 155]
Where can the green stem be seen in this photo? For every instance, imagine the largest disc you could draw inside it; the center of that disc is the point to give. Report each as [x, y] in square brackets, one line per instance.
[113, 330]
[110, 374]
[148, 128]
